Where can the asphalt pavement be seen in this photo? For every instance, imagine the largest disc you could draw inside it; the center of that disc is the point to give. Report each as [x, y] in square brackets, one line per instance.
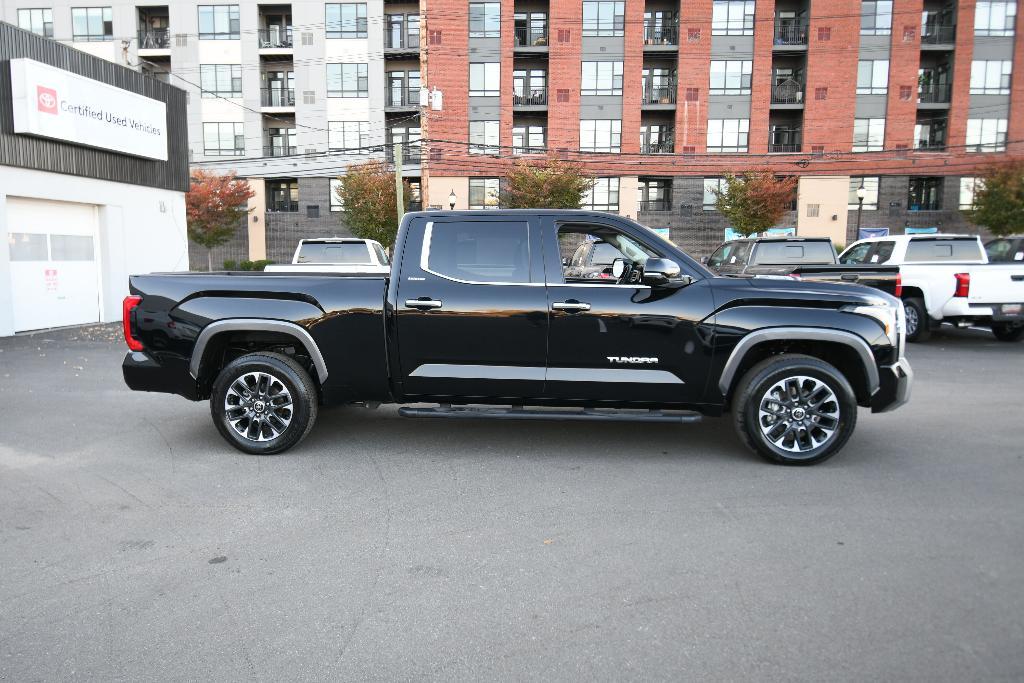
[136, 544]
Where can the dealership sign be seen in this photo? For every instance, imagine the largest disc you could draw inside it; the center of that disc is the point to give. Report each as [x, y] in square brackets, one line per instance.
[53, 103]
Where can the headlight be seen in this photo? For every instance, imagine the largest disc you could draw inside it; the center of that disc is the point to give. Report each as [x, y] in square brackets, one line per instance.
[888, 316]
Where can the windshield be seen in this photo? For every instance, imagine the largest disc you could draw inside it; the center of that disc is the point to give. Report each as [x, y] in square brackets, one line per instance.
[333, 252]
[794, 252]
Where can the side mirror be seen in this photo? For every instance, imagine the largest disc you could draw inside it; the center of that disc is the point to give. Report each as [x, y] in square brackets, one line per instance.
[618, 268]
[704, 260]
[660, 271]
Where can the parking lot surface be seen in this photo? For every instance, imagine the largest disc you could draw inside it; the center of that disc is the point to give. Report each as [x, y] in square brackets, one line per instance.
[136, 544]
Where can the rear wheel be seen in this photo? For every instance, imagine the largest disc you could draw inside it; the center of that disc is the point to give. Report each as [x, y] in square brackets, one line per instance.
[1008, 332]
[794, 409]
[263, 403]
[918, 324]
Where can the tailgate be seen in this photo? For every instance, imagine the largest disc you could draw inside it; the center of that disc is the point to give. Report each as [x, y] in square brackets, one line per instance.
[996, 283]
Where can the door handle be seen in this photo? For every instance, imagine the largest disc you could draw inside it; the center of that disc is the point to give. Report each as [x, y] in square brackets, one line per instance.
[849, 277]
[570, 305]
[423, 304]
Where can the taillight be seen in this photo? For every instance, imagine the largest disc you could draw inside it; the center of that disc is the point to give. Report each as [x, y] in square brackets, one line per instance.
[129, 304]
[899, 286]
[963, 285]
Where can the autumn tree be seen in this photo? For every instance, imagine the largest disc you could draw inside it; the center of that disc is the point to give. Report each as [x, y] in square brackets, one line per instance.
[999, 199]
[754, 201]
[215, 205]
[547, 184]
[368, 204]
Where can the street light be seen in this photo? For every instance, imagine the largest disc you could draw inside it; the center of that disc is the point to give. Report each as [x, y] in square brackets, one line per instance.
[451, 200]
[861, 193]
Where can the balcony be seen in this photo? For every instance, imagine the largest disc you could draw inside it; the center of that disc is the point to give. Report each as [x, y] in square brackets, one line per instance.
[277, 98]
[938, 37]
[411, 153]
[658, 96]
[651, 205]
[275, 38]
[788, 94]
[784, 148]
[527, 100]
[402, 97]
[790, 35]
[154, 39]
[520, 150]
[401, 35]
[660, 36]
[280, 150]
[530, 32]
[935, 94]
[282, 207]
[666, 145]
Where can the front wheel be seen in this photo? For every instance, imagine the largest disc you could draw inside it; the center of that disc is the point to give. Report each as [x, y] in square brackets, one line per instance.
[794, 409]
[1008, 332]
[263, 403]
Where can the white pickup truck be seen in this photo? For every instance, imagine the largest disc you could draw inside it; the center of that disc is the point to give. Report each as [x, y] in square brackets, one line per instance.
[948, 278]
[336, 255]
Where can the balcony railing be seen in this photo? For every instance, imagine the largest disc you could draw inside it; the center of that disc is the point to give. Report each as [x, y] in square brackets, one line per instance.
[531, 36]
[661, 94]
[536, 149]
[155, 39]
[657, 146]
[403, 97]
[933, 93]
[282, 207]
[411, 153]
[938, 34]
[925, 145]
[784, 148]
[661, 34]
[277, 97]
[790, 33]
[534, 98]
[788, 93]
[656, 204]
[395, 39]
[275, 37]
[280, 151]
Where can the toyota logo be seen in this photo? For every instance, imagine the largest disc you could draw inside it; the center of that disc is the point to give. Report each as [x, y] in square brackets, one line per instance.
[46, 99]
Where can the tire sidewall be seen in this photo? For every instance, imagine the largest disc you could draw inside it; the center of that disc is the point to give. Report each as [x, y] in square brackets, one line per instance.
[302, 411]
[1008, 332]
[922, 329]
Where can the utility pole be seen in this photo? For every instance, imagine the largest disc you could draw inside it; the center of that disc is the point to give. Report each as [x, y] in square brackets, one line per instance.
[399, 188]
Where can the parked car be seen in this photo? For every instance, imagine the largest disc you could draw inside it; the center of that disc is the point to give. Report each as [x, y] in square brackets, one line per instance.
[480, 311]
[947, 278]
[1004, 249]
[807, 258]
[336, 255]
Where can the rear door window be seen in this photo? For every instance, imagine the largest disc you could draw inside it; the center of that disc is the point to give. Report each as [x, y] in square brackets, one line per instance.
[943, 250]
[882, 252]
[334, 252]
[857, 254]
[478, 251]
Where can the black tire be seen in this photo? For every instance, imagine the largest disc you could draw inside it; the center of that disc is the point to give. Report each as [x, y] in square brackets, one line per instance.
[1008, 332]
[268, 427]
[919, 327]
[757, 385]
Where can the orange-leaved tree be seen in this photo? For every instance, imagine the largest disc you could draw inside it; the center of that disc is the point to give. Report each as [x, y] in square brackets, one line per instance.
[215, 205]
[547, 184]
[368, 202]
[754, 201]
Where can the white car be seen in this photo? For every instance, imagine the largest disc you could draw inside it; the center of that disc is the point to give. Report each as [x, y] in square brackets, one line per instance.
[336, 255]
[947, 278]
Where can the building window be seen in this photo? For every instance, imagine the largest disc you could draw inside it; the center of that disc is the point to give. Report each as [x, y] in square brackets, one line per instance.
[868, 135]
[528, 139]
[346, 20]
[483, 137]
[223, 140]
[986, 135]
[336, 203]
[280, 142]
[872, 76]
[991, 77]
[352, 136]
[600, 135]
[601, 78]
[603, 196]
[710, 186]
[403, 88]
[218, 22]
[925, 194]
[654, 194]
[347, 80]
[92, 23]
[484, 19]
[484, 79]
[876, 17]
[484, 193]
[656, 138]
[968, 186]
[604, 18]
[730, 77]
[870, 193]
[994, 18]
[728, 135]
[732, 18]
[930, 134]
[39, 21]
[282, 195]
[220, 80]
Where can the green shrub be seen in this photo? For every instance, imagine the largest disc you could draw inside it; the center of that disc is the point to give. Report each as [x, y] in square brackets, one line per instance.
[230, 264]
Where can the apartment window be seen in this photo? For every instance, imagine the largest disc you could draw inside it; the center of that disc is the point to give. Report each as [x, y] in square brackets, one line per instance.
[485, 79]
[870, 194]
[930, 134]
[656, 138]
[92, 23]
[986, 135]
[868, 135]
[872, 76]
[483, 137]
[336, 203]
[711, 185]
[925, 194]
[604, 18]
[484, 19]
[728, 135]
[603, 196]
[528, 139]
[600, 135]
[601, 78]
[654, 194]
[968, 186]
[484, 193]
[732, 18]
[220, 80]
[730, 77]
[348, 135]
[223, 140]
[282, 195]
[347, 80]
[280, 142]
[876, 17]
[346, 20]
[218, 22]
[39, 21]
[994, 18]
[991, 77]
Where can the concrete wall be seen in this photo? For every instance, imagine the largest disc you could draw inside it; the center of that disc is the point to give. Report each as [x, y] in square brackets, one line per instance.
[830, 194]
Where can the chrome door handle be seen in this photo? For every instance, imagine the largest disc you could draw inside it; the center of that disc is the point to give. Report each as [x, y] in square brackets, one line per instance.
[570, 306]
[423, 304]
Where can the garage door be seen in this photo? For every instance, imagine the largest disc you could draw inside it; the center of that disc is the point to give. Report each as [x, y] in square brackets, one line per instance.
[54, 261]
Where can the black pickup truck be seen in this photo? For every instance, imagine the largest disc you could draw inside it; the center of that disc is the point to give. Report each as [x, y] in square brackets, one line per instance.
[805, 258]
[479, 317]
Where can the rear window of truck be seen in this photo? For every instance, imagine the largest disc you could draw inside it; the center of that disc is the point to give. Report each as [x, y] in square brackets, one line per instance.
[343, 253]
[943, 250]
[794, 252]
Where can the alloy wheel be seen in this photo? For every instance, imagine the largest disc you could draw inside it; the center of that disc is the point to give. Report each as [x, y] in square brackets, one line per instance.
[258, 406]
[799, 414]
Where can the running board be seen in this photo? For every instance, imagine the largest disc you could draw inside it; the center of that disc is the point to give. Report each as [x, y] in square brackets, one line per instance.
[585, 414]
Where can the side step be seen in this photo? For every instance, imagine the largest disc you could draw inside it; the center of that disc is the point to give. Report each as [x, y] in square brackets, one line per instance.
[583, 414]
